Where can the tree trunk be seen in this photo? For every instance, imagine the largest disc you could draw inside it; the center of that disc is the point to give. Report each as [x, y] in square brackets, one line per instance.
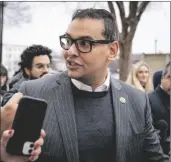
[125, 59]
[1, 28]
[136, 9]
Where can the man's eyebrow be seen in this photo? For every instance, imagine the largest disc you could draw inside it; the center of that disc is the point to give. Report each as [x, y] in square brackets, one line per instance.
[86, 37]
[81, 37]
[42, 64]
[66, 34]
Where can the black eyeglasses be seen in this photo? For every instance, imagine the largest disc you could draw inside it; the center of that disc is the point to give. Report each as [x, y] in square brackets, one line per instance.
[82, 45]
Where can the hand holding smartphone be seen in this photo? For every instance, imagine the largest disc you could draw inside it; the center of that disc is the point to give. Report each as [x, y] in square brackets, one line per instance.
[27, 125]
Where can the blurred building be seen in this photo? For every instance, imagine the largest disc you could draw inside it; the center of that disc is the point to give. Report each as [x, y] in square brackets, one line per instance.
[155, 61]
[58, 63]
[11, 56]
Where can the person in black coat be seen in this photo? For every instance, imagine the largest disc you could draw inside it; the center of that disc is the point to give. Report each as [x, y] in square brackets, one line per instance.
[157, 78]
[160, 102]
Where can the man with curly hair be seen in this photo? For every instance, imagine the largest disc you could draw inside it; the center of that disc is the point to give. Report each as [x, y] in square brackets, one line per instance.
[35, 62]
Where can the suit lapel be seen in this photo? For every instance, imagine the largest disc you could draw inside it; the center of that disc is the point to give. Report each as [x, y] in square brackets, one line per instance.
[63, 100]
[121, 112]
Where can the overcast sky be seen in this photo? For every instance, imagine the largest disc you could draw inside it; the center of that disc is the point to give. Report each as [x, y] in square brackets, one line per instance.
[50, 19]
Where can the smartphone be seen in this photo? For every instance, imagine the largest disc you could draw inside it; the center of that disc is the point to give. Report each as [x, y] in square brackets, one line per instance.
[27, 124]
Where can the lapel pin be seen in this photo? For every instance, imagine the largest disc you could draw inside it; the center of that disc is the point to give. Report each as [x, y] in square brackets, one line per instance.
[122, 100]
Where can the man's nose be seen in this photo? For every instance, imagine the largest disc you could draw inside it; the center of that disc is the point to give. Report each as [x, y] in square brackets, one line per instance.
[73, 50]
[46, 70]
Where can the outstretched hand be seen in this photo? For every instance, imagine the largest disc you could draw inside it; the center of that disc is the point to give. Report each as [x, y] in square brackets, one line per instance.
[12, 158]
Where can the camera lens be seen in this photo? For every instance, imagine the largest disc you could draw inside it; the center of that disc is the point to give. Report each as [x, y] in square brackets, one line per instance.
[31, 145]
[30, 151]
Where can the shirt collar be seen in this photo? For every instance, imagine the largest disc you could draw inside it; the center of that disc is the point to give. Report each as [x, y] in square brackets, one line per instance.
[101, 88]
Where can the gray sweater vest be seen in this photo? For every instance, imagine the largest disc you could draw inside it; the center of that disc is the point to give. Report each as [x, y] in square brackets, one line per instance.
[95, 125]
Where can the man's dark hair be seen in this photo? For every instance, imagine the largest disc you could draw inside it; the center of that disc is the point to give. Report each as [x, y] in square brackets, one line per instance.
[166, 69]
[111, 29]
[28, 55]
[157, 78]
[3, 71]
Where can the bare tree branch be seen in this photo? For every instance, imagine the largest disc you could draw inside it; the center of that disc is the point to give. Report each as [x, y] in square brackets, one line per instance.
[121, 9]
[141, 9]
[16, 13]
[1, 27]
[133, 8]
[129, 27]
[124, 21]
[111, 8]
[133, 29]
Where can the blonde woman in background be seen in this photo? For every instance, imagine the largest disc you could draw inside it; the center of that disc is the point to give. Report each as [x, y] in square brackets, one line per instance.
[139, 77]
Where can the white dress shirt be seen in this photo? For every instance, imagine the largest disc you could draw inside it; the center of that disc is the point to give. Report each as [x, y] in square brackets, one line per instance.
[84, 87]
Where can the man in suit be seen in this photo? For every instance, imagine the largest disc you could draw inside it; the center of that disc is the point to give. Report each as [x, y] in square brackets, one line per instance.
[91, 116]
[160, 101]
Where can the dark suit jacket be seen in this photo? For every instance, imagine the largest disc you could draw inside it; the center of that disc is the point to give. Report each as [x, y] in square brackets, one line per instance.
[135, 137]
[157, 78]
[160, 106]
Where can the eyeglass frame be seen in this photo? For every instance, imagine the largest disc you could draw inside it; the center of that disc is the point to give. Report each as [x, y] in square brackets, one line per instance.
[91, 42]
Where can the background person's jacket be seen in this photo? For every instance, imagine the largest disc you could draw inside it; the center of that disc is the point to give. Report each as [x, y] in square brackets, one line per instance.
[14, 86]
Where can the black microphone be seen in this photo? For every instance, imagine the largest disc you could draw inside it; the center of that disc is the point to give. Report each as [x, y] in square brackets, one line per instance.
[164, 141]
[163, 127]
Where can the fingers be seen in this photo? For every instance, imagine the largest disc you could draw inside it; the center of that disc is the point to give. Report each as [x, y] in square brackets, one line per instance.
[8, 112]
[6, 136]
[42, 134]
[37, 145]
[33, 158]
[15, 98]
[35, 154]
[40, 141]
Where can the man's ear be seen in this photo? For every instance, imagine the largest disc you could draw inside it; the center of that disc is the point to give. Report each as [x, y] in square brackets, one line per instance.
[27, 71]
[114, 47]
